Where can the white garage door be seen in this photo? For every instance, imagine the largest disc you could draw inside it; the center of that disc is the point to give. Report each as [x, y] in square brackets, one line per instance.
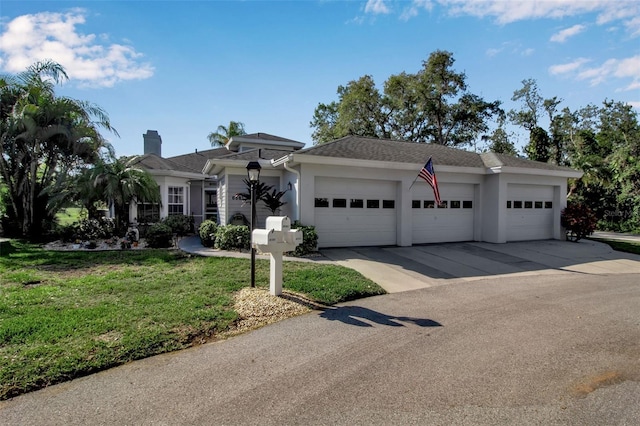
[355, 212]
[529, 212]
[451, 221]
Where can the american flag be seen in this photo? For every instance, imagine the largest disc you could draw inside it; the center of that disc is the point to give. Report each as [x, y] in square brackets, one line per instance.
[429, 175]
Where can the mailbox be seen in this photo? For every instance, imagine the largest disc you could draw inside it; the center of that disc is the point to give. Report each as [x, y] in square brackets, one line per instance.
[263, 236]
[293, 237]
[278, 223]
[275, 240]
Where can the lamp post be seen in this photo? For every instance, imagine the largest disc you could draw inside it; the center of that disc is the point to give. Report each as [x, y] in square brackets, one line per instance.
[253, 172]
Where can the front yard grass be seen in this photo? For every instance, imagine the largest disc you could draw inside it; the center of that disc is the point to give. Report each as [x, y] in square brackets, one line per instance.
[626, 246]
[68, 314]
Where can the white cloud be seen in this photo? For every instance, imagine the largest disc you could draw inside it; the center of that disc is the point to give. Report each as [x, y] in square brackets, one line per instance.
[624, 69]
[511, 47]
[492, 52]
[414, 9]
[568, 67]
[376, 7]
[508, 11]
[562, 36]
[88, 59]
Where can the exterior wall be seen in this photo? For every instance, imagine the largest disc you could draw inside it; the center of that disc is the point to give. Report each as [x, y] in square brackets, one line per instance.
[494, 211]
[489, 192]
[196, 195]
[164, 182]
[222, 199]
[495, 192]
[403, 180]
[233, 184]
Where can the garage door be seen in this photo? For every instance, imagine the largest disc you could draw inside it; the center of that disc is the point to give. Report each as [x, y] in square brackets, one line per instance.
[355, 212]
[451, 221]
[529, 212]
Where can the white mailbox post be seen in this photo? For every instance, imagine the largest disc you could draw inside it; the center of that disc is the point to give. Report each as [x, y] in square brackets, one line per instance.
[276, 239]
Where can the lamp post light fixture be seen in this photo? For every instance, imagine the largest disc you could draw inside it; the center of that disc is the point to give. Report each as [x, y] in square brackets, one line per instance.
[253, 172]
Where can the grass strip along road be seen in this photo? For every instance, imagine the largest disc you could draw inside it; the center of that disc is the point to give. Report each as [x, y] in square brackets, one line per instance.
[68, 314]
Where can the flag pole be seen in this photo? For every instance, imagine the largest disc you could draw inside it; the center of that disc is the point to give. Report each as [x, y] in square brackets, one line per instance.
[414, 181]
[417, 176]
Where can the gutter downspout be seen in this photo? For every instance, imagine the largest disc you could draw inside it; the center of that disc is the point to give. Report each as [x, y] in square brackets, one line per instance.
[284, 162]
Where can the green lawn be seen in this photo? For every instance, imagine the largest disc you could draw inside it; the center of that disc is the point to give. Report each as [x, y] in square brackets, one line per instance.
[625, 246]
[68, 314]
[70, 215]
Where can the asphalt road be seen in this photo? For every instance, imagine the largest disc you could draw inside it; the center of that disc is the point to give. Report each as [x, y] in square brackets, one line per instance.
[548, 349]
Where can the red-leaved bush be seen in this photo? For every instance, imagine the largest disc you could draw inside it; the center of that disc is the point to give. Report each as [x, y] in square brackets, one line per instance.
[578, 220]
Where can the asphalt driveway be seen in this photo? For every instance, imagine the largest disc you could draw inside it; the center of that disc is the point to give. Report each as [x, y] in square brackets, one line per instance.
[553, 344]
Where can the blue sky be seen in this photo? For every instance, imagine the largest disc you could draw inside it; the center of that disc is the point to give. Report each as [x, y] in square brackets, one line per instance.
[185, 67]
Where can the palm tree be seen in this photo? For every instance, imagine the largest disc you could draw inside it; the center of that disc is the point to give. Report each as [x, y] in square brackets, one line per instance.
[223, 134]
[120, 182]
[44, 139]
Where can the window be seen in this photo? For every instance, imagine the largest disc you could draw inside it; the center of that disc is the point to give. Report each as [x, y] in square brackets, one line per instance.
[517, 204]
[148, 212]
[373, 204]
[429, 204]
[455, 204]
[415, 204]
[340, 202]
[211, 198]
[508, 204]
[388, 204]
[467, 204]
[548, 204]
[528, 204]
[356, 203]
[176, 200]
[538, 204]
[322, 202]
[443, 204]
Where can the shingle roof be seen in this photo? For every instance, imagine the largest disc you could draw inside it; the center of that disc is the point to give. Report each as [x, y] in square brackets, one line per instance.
[265, 137]
[196, 160]
[153, 162]
[256, 154]
[363, 148]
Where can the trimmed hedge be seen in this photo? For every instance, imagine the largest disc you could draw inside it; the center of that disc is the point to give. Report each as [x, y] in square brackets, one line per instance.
[309, 239]
[233, 237]
[159, 236]
[207, 232]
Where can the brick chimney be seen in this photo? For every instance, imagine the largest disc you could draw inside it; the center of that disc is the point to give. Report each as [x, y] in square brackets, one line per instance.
[152, 143]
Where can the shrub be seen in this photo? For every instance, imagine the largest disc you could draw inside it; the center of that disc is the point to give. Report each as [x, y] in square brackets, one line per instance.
[159, 236]
[309, 239]
[578, 220]
[65, 233]
[207, 232]
[95, 229]
[179, 224]
[233, 237]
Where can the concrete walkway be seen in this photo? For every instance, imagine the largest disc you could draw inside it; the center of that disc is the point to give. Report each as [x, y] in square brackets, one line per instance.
[618, 236]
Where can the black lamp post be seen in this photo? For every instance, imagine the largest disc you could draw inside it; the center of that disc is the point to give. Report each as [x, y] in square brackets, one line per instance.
[253, 171]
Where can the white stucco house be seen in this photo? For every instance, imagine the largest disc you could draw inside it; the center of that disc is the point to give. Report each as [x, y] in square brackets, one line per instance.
[358, 191]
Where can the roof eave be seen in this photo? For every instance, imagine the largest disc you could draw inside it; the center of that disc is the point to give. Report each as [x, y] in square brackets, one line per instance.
[532, 171]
